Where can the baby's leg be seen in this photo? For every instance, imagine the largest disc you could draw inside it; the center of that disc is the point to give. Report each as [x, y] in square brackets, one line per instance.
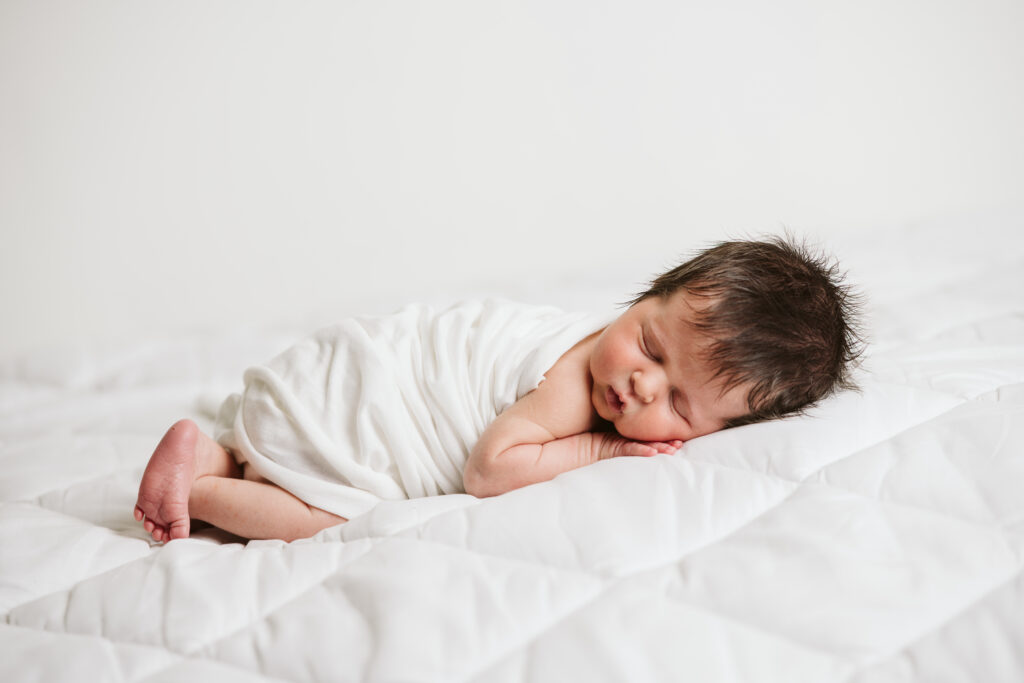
[181, 457]
[256, 508]
[190, 474]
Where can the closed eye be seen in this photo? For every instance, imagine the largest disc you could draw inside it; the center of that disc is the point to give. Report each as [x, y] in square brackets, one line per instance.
[675, 408]
[647, 348]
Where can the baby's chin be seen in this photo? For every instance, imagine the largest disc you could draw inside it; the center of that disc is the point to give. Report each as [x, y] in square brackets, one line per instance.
[601, 411]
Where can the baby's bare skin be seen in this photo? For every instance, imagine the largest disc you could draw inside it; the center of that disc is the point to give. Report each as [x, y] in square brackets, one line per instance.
[639, 387]
[162, 505]
[191, 476]
[182, 456]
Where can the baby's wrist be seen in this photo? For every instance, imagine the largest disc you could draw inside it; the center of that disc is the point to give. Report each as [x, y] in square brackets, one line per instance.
[603, 445]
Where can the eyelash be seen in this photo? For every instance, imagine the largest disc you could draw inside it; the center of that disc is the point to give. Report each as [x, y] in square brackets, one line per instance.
[646, 348]
[676, 411]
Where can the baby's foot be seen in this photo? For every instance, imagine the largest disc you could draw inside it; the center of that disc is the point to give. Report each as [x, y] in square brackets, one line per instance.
[162, 506]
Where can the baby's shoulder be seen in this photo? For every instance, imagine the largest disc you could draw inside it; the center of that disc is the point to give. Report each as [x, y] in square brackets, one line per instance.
[562, 400]
[574, 365]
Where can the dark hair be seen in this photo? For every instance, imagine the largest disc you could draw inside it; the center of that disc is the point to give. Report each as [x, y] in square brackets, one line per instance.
[779, 319]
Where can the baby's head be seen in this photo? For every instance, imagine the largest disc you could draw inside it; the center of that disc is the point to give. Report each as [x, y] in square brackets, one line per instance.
[743, 332]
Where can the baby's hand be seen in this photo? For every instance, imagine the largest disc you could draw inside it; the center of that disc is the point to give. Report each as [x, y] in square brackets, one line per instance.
[614, 446]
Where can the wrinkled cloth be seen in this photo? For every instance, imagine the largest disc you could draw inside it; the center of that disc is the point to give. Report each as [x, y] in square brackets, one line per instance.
[389, 407]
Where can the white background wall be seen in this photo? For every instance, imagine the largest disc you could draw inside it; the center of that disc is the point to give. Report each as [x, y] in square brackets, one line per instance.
[178, 166]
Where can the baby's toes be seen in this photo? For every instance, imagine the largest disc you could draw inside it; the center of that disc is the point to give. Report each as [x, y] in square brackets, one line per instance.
[178, 530]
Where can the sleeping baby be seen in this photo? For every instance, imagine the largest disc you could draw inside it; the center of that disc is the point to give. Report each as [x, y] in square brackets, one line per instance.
[490, 396]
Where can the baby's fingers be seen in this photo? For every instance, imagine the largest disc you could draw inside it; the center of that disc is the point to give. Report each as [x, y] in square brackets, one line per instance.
[639, 448]
[664, 446]
[646, 449]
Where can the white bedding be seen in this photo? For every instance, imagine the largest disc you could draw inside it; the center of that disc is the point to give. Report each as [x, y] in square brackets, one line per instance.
[880, 539]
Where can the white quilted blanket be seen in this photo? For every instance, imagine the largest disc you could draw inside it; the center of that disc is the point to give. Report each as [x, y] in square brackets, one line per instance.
[881, 539]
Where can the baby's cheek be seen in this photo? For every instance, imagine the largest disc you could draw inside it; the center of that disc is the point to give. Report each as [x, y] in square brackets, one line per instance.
[677, 432]
[645, 432]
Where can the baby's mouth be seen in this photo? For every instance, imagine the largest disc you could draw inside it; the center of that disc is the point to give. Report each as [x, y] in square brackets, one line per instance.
[613, 401]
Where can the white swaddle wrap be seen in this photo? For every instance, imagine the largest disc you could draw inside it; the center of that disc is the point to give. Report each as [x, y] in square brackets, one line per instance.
[388, 407]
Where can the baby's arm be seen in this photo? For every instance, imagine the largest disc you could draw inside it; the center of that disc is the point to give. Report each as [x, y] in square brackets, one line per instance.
[545, 433]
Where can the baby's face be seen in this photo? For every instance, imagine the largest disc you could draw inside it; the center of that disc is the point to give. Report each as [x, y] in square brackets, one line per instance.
[651, 380]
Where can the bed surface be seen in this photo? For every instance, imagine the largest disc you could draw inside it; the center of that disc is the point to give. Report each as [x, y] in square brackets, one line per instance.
[880, 539]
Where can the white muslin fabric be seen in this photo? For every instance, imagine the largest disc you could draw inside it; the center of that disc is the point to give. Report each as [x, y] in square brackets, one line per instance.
[388, 407]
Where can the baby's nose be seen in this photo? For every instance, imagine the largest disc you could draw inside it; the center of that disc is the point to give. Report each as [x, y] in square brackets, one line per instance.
[644, 393]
